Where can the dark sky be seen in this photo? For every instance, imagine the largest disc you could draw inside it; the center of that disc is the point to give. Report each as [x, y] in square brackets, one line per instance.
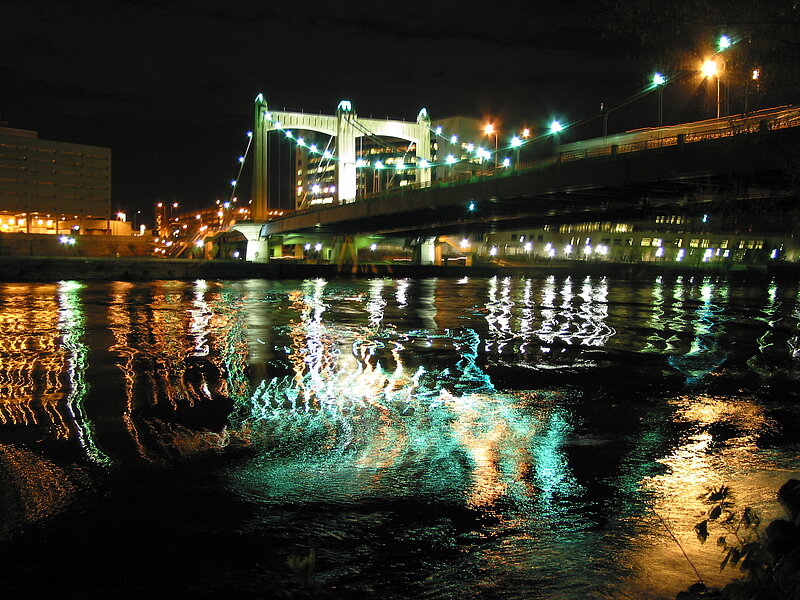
[168, 85]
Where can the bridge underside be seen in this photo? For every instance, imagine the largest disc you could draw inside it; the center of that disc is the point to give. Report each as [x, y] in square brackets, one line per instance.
[625, 187]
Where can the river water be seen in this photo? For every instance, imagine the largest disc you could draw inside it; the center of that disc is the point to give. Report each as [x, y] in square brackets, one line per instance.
[395, 438]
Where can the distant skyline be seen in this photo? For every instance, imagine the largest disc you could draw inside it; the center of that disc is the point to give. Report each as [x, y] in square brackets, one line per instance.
[168, 85]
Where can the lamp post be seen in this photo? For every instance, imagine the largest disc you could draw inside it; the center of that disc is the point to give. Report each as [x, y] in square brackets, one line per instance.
[658, 82]
[709, 69]
[515, 144]
[555, 129]
[489, 130]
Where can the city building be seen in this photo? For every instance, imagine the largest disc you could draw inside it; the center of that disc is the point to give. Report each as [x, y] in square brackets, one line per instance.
[55, 197]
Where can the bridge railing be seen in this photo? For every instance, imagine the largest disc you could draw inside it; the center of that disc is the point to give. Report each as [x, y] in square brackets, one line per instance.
[647, 139]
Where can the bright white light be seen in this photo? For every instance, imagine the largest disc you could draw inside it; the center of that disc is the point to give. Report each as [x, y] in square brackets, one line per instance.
[327, 154]
[464, 243]
[601, 249]
[233, 182]
[236, 254]
[724, 42]
[551, 253]
[556, 127]
[313, 148]
[568, 249]
[659, 252]
[315, 188]
[307, 246]
[399, 166]
[528, 247]
[548, 247]
[709, 68]
[450, 159]
[373, 247]
[199, 243]
[288, 133]
[424, 164]
[301, 142]
[681, 254]
[774, 253]
[506, 162]
[493, 251]
[378, 164]
[439, 130]
[454, 139]
[360, 163]
[318, 247]
[516, 142]
[587, 249]
[658, 79]
[708, 254]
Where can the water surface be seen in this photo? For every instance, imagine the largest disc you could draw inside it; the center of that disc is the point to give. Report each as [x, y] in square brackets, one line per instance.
[433, 438]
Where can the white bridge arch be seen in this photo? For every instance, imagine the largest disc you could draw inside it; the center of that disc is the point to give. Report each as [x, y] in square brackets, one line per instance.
[346, 127]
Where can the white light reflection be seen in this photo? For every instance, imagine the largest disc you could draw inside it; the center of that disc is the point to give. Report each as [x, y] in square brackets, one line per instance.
[401, 292]
[71, 327]
[704, 355]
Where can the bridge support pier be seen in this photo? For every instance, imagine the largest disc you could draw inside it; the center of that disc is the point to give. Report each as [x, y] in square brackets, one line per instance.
[257, 251]
[427, 251]
[258, 248]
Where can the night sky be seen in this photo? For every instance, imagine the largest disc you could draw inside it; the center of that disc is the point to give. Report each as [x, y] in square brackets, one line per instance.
[168, 85]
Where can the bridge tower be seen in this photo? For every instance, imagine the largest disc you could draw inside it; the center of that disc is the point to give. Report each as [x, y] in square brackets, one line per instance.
[260, 199]
[346, 127]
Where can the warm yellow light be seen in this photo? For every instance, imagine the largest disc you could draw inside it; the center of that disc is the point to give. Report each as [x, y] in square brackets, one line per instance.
[709, 68]
[488, 129]
[756, 74]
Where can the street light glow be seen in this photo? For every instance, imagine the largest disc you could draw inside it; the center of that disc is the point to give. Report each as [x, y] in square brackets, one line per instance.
[488, 129]
[556, 127]
[709, 68]
[724, 42]
[659, 79]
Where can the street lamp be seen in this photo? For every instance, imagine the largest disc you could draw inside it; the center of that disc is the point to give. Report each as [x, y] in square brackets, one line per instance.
[555, 129]
[710, 69]
[658, 82]
[489, 130]
[516, 142]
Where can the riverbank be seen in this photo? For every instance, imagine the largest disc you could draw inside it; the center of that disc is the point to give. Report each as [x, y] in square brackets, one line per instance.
[45, 268]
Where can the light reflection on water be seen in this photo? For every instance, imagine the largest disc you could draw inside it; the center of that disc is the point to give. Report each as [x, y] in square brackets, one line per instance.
[617, 399]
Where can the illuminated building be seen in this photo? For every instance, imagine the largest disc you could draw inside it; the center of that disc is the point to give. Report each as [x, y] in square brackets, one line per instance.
[55, 199]
[52, 187]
